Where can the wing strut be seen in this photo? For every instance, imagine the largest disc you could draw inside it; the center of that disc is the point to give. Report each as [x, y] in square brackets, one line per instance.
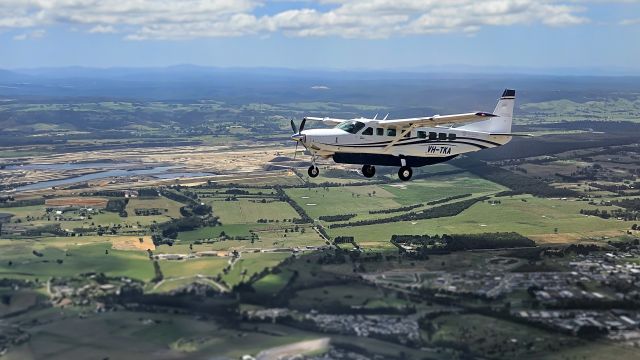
[398, 138]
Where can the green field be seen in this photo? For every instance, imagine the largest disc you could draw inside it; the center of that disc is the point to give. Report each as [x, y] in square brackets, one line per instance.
[342, 200]
[338, 295]
[360, 200]
[249, 211]
[76, 259]
[213, 232]
[613, 109]
[536, 216]
[422, 191]
[172, 207]
[272, 283]
[251, 263]
[206, 266]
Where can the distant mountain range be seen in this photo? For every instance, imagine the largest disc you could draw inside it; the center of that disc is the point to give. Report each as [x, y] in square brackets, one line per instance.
[279, 85]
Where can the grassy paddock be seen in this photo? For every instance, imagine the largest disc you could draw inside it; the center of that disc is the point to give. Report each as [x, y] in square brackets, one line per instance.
[534, 216]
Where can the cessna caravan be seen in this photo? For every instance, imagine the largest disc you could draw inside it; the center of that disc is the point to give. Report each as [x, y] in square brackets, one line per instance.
[406, 143]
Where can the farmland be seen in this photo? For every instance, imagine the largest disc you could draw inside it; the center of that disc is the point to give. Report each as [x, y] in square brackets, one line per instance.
[185, 229]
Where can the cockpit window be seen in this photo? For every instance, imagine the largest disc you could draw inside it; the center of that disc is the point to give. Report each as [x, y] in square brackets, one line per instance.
[351, 127]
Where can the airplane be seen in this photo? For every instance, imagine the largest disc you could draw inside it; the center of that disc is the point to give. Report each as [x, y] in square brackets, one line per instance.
[407, 143]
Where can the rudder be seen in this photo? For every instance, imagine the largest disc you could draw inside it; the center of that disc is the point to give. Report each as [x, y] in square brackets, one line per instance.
[502, 122]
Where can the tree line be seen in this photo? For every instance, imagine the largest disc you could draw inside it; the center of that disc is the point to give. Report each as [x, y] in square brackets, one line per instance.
[304, 217]
[460, 242]
[335, 218]
[446, 210]
[396, 209]
[117, 205]
[447, 199]
[10, 203]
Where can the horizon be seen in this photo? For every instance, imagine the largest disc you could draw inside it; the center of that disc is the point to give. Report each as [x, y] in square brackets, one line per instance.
[451, 69]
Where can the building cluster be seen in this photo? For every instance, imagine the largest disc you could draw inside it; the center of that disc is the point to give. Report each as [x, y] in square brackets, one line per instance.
[595, 294]
[87, 290]
[401, 328]
[495, 284]
[618, 324]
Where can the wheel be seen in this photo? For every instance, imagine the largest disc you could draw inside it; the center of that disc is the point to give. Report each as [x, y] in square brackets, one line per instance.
[368, 170]
[405, 173]
[313, 171]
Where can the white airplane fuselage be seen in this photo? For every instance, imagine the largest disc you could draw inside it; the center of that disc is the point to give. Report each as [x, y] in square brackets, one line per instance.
[448, 142]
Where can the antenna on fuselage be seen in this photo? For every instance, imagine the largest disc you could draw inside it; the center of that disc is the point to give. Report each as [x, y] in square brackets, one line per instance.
[375, 117]
[385, 117]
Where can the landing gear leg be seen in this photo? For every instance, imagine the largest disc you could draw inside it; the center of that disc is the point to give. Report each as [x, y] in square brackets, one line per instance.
[405, 173]
[313, 171]
[368, 170]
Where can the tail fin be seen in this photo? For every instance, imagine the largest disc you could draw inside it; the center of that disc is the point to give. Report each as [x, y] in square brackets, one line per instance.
[502, 122]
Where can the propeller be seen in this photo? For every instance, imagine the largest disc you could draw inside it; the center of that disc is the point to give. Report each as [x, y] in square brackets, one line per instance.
[297, 134]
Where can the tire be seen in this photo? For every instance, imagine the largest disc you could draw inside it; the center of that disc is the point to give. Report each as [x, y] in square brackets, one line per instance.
[313, 171]
[368, 171]
[405, 173]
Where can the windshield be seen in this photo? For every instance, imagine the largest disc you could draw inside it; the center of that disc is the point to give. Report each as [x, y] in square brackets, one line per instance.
[351, 127]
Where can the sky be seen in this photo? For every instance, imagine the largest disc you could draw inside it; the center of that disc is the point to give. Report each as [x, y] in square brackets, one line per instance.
[334, 34]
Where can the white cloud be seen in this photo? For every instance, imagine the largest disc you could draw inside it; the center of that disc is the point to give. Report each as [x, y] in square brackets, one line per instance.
[627, 22]
[35, 34]
[103, 29]
[185, 19]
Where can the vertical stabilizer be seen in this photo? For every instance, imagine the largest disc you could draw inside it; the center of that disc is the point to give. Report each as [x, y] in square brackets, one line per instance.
[501, 124]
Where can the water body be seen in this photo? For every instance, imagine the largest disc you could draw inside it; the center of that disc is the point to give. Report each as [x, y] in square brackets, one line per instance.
[65, 166]
[162, 172]
[179, 175]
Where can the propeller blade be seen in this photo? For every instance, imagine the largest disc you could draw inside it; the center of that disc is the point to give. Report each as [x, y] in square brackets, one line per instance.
[304, 120]
[295, 153]
[293, 126]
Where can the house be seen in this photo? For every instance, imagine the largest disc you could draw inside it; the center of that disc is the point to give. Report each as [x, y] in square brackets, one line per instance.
[130, 194]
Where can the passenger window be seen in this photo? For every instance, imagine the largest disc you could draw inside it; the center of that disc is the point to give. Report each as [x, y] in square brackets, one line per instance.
[379, 131]
[391, 132]
[422, 134]
[368, 131]
[452, 136]
[442, 136]
[433, 136]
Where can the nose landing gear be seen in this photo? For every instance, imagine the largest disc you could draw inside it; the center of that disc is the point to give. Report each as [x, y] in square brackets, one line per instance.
[313, 171]
[368, 170]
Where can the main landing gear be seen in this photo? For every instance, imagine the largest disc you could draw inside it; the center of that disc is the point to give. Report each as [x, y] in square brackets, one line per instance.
[368, 170]
[313, 171]
[405, 173]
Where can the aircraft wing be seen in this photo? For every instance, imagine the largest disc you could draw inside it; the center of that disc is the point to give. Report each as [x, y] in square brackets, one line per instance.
[326, 120]
[438, 119]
